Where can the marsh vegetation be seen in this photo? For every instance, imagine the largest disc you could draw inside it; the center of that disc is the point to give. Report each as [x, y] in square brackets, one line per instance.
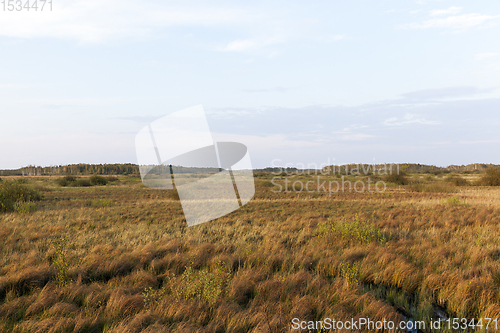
[120, 258]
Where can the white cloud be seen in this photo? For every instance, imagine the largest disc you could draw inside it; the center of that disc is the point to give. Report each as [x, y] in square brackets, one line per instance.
[355, 137]
[102, 21]
[94, 21]
[460, 22]
[488, 55]
[265, 90]
[408, 119]
[459, 92]
[449, 11]
[262, 143]
[20, 86]
[423, 2]
[241, 45]
[475, 142]
[334, 38]
[347, 134]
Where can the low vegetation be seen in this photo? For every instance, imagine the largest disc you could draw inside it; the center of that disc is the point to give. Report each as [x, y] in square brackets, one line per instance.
[398, 178]
[17, 196]
[491, 177]
[94, 180]
[457, 180]
[353, 231]
[433, 188]
[120, 258]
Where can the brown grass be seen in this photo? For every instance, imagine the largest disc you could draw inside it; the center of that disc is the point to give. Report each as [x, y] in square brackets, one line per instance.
[125, 265]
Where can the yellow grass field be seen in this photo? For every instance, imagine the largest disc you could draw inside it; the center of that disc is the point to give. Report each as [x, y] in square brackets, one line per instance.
[120, 258]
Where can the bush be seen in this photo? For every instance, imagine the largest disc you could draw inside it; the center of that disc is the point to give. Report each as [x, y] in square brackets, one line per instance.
[76, 182]
[457, 180]
[399, 178]
[18, 192]
[24, 207]
[66, 181]
[11, 192]
[4, 205]
[491, 177]
[111, 179]
[429, 178]
[81, 183]
[97, 180]
[62, 182]
[433, 188]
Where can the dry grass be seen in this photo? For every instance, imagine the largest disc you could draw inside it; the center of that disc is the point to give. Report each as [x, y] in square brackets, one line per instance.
[121, 259]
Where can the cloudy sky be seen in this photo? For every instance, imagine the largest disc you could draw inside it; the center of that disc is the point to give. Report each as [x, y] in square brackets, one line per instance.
[296, 81]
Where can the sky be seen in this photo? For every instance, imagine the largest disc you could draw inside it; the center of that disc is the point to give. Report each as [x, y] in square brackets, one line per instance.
[299, 83]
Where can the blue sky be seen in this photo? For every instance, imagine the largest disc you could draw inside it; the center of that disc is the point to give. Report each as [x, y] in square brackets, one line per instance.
[297, 82]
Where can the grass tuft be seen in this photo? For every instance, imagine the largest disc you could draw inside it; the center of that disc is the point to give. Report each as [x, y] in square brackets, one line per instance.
[350, 272]
[354, 231]
[99, 203]
[206, 285]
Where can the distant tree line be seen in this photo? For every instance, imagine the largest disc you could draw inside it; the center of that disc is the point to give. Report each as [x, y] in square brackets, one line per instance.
[74, 169]
[100, 169]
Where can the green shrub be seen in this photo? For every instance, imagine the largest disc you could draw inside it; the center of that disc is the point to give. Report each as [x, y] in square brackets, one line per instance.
[97, 180]
[111, 179]
[429, 178]
[454, 201]
[491, 177]
[66, 181]
[12, 192]
[399, 178]
[350, 273]
[62, 182]
[81, 183]
[61, 260]
[24, 207]
[207, 285]
[18, 192]
[416, 180]
[355, 231]
[149, 297]
[457, 180]
[5, 205]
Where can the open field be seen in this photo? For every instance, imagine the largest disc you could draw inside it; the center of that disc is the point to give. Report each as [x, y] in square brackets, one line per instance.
[120, 258]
